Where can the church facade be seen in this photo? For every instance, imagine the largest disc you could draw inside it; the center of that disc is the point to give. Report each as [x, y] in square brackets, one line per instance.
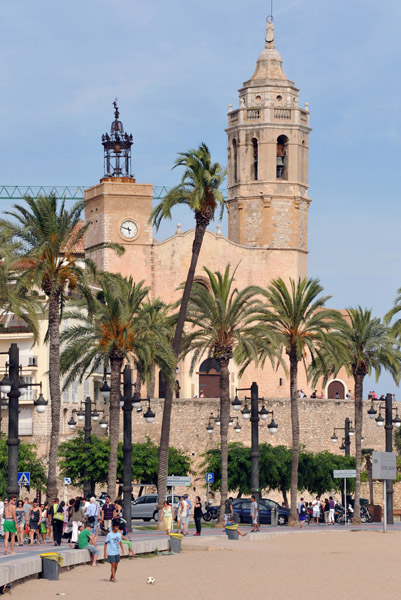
[267, 205]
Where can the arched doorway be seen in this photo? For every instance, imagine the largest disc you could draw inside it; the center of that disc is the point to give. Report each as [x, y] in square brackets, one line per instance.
[336, 390]
[209, 375]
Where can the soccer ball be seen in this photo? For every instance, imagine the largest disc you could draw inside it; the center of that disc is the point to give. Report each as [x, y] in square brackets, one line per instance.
[150, 580]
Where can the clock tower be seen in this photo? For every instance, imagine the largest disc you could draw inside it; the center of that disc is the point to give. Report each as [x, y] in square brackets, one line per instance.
[119, 209]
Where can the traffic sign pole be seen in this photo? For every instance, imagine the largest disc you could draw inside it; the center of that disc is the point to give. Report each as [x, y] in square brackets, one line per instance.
[385, 505]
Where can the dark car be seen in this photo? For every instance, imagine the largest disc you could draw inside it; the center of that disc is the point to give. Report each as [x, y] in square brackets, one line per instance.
[242, 508]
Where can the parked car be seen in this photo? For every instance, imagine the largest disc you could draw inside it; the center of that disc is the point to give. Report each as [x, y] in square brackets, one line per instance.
[242, 511]
[242, 507]
[145, 507]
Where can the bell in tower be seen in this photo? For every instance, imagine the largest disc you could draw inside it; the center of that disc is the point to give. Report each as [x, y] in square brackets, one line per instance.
[117, 148]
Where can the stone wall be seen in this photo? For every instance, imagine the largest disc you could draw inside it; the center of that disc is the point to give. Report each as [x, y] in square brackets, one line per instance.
[190, 417]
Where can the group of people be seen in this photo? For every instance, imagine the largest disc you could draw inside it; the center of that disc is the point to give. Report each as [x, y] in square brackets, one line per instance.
[28, 521]
[181, 515]
[316, 506]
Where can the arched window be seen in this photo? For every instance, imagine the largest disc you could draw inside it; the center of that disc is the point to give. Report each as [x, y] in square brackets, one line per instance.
[282, 157]
[255, 158]
[235, 159]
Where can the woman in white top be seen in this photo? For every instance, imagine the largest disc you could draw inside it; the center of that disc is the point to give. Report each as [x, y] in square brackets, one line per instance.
[316, 509]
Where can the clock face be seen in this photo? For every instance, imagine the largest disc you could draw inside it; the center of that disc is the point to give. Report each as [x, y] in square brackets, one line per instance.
[128, 229]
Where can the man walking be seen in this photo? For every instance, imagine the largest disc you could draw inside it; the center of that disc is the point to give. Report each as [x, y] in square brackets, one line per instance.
[10, 524]
[254, 514]
[108, 511]
[302, 512]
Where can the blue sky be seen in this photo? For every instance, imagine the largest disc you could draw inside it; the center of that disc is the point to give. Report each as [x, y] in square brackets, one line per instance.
[175, 67]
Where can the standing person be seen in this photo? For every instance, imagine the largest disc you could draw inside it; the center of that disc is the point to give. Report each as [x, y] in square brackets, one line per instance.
[35, 517]
[58, 518]
[228, 509]
[302, 512]
[331, 511]
[86, 539]
[43, 522]
[254, 514]
[112, 546]
[198, 514]
[189, 503]
[182, 516]
[77, 517]
[1, 517]
[92, 515]
[27, 508]
[10, 524]
[167, 516]
[21, 522]
[316, 510]
[107, 513]
[326, 510]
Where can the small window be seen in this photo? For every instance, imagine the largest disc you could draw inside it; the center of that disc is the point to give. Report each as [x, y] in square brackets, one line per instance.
[25, 426]
[255, 158]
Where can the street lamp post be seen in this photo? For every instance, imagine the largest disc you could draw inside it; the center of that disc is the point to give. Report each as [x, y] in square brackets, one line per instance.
[11, 386]
[348, 432]
[127, 446]
[388, 423]
[13, 409]
[255, 415]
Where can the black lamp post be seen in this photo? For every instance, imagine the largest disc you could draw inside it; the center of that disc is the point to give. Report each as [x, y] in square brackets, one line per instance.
[348, 433]
[11, 386]
[127, 403]
[254, 415]
[388, 423]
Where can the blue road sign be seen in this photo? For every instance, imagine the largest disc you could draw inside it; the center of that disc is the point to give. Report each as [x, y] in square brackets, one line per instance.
[67, 480]
[209, 477]
[24, 478]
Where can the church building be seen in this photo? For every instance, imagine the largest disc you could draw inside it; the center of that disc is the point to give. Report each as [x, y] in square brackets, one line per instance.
[267, 205]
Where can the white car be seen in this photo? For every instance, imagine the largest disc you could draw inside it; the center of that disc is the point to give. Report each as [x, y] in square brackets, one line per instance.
[145, 507]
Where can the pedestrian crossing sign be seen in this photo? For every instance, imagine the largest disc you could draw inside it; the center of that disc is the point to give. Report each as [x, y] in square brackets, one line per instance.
[24, 478]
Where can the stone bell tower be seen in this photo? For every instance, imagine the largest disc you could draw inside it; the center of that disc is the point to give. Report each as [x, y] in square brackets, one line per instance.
[268, 142]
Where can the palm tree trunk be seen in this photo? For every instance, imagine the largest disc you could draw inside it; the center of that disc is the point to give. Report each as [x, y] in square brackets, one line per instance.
[224, 384]
[293, 520]
[358, 378]
[202, 222]
[114, 423]
[55, 396]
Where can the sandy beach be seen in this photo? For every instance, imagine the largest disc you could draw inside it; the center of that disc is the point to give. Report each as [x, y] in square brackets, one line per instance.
[309, 565]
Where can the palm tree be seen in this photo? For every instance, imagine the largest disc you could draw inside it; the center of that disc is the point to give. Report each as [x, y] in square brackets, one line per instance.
[199, 190]
[224, 327]
[366, 345]
[14, 296]
[110, 328]
[295, 316]
[47, 236]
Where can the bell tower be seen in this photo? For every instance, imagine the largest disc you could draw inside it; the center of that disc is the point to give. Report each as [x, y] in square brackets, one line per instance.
[268, 144]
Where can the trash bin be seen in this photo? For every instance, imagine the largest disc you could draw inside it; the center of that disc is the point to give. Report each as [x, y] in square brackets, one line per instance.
[175, 542]
[232, 532]
[376, 512]
[274, 517]
[51, 563]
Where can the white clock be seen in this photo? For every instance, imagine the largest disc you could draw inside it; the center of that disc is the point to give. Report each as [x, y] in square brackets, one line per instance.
[128, 229]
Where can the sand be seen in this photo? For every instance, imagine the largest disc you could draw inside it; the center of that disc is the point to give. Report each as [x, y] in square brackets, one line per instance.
[298, 565]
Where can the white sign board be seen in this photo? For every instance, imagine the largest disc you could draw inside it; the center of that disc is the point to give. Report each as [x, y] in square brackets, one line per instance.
[383, 465]
[67, 480]
[174, 481]
[344, 474]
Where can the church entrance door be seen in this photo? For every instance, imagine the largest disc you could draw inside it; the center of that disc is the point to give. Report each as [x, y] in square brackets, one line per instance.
[209, 376]
[336, 390]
